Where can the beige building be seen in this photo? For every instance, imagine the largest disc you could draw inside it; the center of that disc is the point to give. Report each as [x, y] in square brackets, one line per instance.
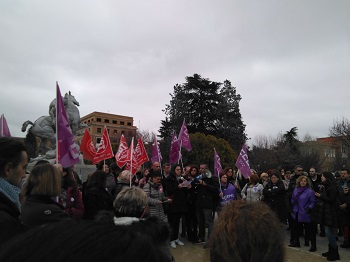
[116, 126]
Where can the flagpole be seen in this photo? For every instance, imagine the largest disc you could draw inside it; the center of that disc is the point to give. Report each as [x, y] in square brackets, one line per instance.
[56, 124]
[131, 153]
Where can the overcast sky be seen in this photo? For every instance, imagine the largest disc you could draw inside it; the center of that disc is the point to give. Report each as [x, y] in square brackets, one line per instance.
[289, 60]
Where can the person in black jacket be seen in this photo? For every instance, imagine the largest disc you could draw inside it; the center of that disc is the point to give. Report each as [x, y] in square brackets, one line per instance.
[41, 192]
[176, 190]
[13, 163]
[96, 197]
[207, 199]
[274, 195]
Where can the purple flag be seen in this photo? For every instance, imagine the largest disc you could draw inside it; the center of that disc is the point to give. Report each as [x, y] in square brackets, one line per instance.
[175, 154]
[156, 154]
[217, 164]
[4, 128]
[243, 163]
[67, 152]
[184, 137]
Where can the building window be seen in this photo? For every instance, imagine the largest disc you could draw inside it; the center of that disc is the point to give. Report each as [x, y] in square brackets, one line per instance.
[99, 130]
[115, 132]
[129, 124]
[98, 119]
[98, 140]
[330, 152]
[114, 122]
[122, 122]
[108, 130]
[106, 120]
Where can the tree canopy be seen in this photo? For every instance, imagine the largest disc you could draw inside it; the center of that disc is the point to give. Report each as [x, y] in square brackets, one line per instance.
[211, 108]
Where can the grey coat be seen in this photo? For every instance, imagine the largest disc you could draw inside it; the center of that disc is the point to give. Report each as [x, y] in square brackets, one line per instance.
[155, 194]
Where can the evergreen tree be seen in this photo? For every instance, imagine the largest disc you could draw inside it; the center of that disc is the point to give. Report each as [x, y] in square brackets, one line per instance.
[211, 108]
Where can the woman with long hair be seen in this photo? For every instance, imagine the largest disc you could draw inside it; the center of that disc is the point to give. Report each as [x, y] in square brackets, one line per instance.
[70, 195]
[97, 198]
[326, 213]
[41, 192]
[253, 191]
[303, 202]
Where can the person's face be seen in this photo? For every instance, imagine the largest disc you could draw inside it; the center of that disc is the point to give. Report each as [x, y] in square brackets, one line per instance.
[15, 174]
[287, 176]
[303, 182]
[156, 166]
[167, 169]
[264, 176]
[299, 171]
[106, 169]
[323, 178]
[312, 172]
[201, 169]
[193, 172]
[187, 170]
[146, 172]
[178, 171]
[344, 175]
[224, 179]
[229, 172]
[156, 179]
[274, 179]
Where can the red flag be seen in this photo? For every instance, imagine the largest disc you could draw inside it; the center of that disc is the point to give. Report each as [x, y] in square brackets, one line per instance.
[104, 150]
[139, 156]
[121, 157]
[87, 147]
[66, 151]
[131, 161]
[140, 153]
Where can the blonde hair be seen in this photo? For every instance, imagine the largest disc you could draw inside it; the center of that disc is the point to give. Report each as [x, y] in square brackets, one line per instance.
[44, 180]
[300, 178]
[125, 175]
[130, 202]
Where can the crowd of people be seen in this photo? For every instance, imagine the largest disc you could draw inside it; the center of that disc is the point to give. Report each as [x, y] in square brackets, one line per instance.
[172, 203]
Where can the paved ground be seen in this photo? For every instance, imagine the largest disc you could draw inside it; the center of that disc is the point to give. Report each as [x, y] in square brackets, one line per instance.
[196, 253]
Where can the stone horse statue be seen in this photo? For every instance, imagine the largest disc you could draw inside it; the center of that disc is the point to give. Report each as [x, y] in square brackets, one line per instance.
[72, 111]
[45, 126]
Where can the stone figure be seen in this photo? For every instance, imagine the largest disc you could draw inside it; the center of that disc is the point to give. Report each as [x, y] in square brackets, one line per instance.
[45, 126]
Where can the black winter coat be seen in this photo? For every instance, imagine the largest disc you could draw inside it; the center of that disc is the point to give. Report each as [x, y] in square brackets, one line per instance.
[208, 195]
[40, 210]
[95, 200]
[10, 224]
[178, 195]
[325, 211]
